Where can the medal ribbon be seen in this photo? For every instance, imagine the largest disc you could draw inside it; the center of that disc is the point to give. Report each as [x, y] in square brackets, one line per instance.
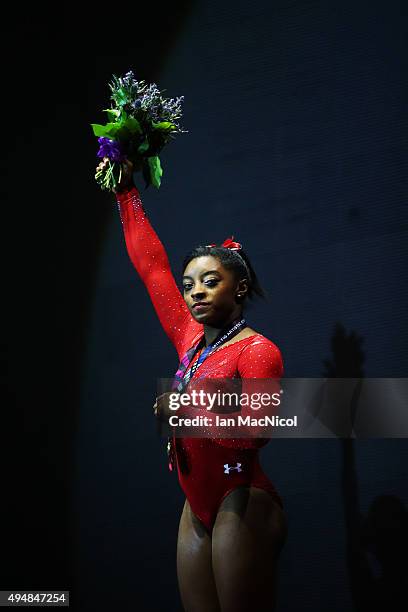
[184, 375]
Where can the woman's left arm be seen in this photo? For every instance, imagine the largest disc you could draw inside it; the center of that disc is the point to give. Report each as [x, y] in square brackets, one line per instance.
[260, 367]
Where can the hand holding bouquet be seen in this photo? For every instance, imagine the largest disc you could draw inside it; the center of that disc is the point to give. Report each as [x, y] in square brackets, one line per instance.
[140, 123]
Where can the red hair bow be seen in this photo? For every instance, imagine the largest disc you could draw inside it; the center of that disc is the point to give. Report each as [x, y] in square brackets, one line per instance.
[229, 244]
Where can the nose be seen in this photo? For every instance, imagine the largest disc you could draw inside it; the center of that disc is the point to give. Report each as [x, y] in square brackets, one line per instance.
[198, 292]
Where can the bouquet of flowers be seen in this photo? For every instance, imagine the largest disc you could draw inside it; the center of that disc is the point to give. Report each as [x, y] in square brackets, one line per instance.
[140, 123]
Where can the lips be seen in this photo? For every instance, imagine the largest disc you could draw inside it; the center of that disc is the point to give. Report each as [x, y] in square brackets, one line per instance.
[200, 305]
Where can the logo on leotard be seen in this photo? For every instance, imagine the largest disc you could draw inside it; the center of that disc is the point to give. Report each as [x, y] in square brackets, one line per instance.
[227, 468]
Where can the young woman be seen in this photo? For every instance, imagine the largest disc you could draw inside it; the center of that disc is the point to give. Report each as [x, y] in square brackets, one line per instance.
[232, 527]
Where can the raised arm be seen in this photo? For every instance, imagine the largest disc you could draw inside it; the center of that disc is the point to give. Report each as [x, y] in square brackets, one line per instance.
[151, 263]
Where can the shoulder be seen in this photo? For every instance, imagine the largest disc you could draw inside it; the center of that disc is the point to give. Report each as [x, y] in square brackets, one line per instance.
[260, 357]
[260, 342]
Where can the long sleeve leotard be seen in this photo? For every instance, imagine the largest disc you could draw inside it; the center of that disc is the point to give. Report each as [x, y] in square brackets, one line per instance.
[208, 468]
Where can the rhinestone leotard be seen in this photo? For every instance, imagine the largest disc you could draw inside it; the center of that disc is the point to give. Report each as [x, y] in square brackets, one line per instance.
[200, 461]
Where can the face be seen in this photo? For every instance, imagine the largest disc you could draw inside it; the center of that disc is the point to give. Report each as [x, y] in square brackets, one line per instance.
[207, 282]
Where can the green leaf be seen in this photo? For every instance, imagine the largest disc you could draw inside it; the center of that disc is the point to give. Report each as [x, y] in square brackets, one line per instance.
[120, 97]
[142, 148]
[113, 113]
[163, 125]
[131, 124]
[98, 130]
[112, 129]
[108, 131]
[155, 170]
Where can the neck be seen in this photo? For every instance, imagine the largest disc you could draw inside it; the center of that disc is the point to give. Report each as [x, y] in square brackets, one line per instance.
[210, 332]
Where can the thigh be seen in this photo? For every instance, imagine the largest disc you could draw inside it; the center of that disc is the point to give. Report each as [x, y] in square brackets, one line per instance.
[194, 565]
[248, 535]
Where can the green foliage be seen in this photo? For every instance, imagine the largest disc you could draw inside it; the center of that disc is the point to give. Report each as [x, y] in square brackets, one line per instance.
[155, 170]
[142, 148]
[107, 131]
[163, 125]
[113, 113]
[142, 121]
[119, 130]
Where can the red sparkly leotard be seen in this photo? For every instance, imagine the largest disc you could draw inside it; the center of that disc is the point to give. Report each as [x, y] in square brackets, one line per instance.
[208, 468]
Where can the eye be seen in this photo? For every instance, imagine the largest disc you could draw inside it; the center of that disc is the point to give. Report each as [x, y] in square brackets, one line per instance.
[211, 282]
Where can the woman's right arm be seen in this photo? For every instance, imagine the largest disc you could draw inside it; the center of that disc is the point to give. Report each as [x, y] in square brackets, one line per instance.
[150, 260]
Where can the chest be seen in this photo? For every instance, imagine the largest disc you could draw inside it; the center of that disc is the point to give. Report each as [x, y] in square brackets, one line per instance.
[220, 364]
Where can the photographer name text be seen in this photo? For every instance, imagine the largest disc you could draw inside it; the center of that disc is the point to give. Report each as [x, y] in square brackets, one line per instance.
[239, 421]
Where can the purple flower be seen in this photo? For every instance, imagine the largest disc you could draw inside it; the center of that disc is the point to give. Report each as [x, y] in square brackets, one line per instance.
[111, 149]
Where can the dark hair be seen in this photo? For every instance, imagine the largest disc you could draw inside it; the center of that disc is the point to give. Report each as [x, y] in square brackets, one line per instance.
[236, 261]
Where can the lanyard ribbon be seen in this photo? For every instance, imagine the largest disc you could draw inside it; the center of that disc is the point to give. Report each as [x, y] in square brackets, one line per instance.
[181, 378]
[184, 374]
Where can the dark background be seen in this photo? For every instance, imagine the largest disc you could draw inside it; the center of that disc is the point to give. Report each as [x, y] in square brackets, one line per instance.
[297, 146]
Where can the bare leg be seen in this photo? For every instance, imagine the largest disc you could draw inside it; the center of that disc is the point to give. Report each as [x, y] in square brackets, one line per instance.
[248, 535]
[194, 566]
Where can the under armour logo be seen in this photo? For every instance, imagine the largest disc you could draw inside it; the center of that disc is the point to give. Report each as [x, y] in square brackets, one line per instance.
[227, 468]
